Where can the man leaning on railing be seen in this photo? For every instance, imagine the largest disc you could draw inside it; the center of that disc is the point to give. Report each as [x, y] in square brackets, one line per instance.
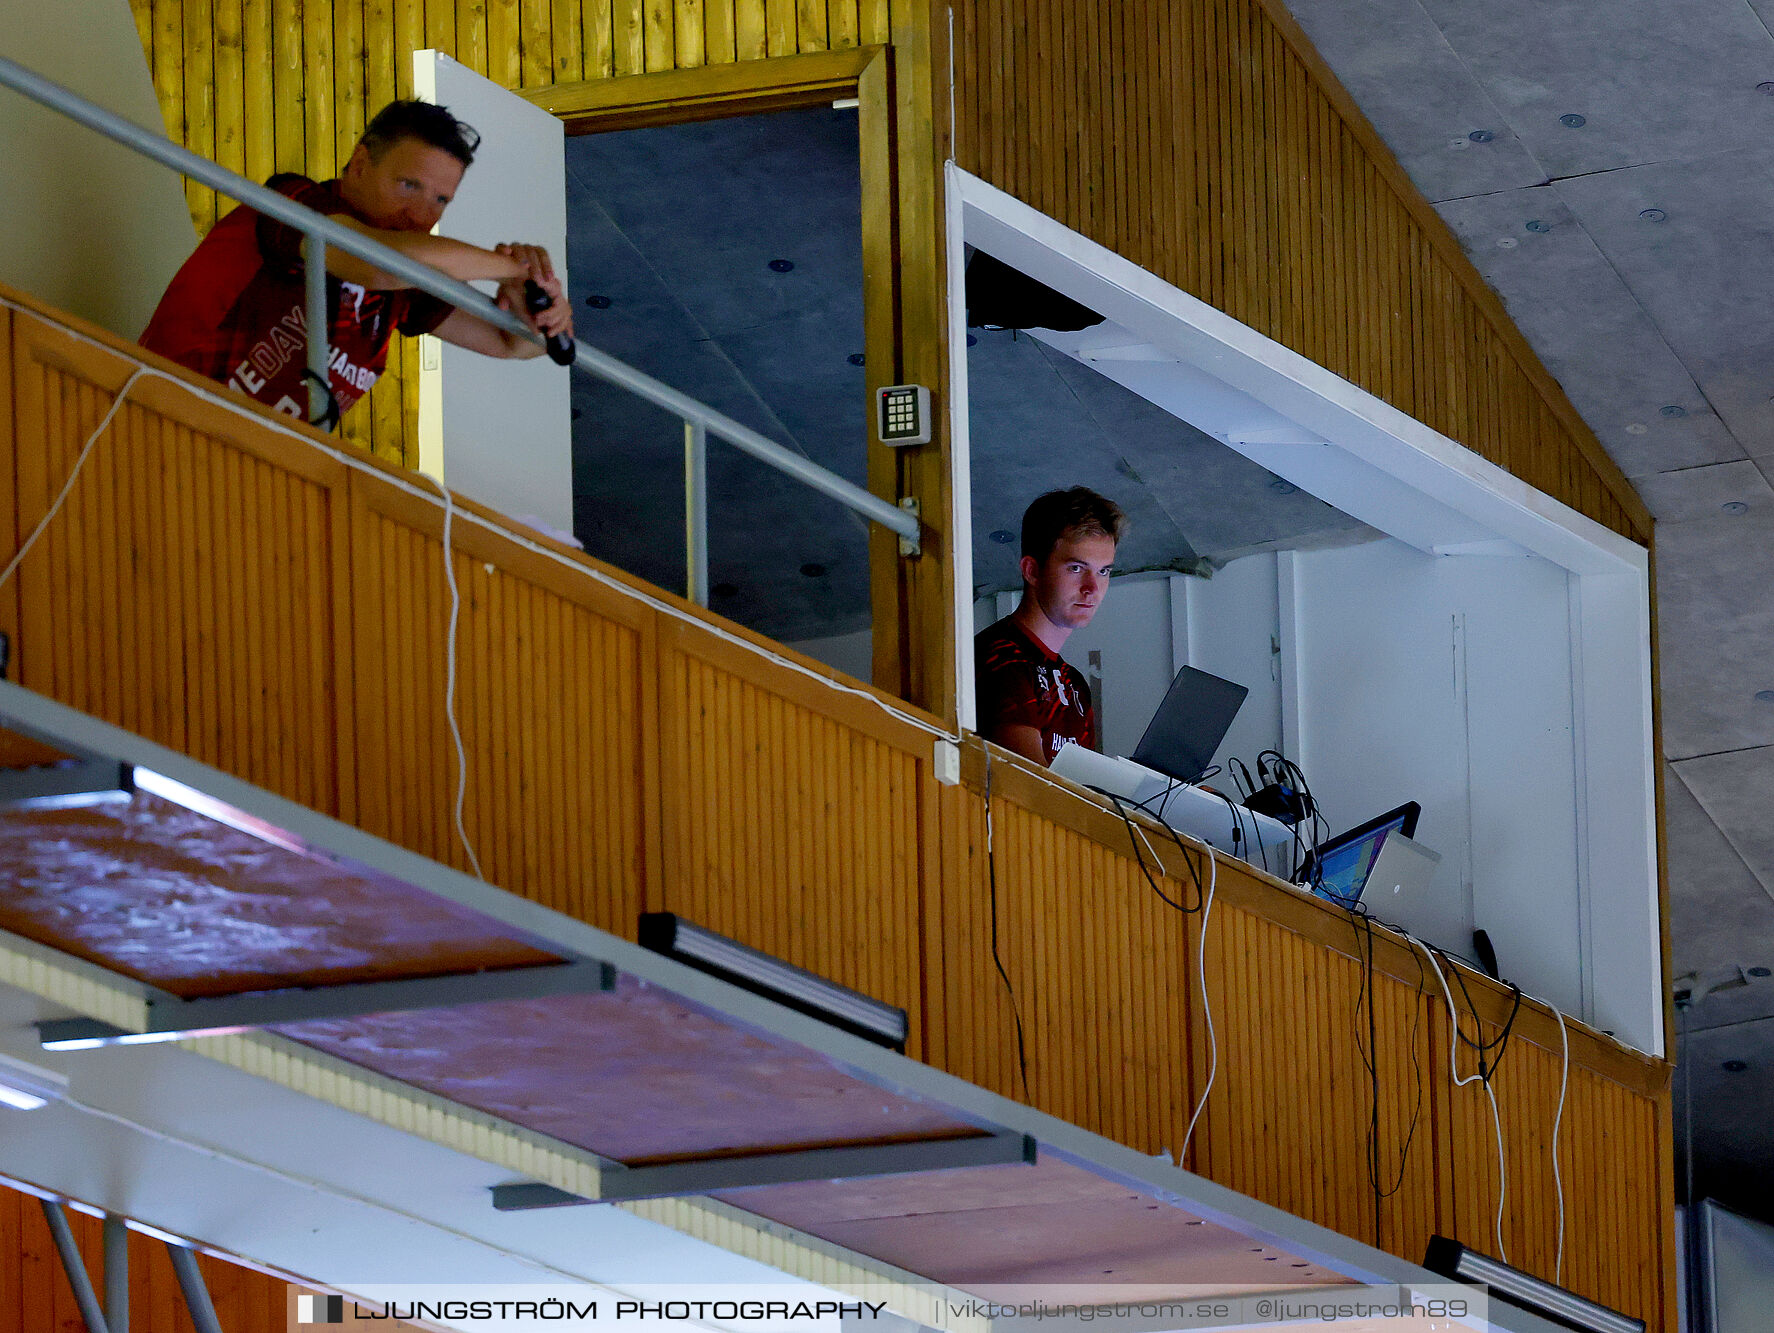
[236, 310]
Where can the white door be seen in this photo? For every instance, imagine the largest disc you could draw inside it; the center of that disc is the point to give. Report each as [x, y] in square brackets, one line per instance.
[500, 432]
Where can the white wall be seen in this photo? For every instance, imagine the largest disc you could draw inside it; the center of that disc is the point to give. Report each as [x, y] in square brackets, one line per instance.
[1390, 676]
[1447, 681]
[500, 431]
[85, 224]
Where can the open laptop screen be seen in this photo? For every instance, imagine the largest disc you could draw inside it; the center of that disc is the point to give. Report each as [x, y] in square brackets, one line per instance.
[1189, 725]
[1341, 868]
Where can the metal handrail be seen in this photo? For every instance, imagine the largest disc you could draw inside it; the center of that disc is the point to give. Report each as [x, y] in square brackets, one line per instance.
[321, 231]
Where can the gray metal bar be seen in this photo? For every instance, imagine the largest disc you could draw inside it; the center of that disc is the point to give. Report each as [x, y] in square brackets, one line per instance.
[116, 1274]
[318, 354]
[427, 279]
[696, 512]
[620, 1184]
[85, 1298]
[169, 1016]
[203, 1312]
[53, 786]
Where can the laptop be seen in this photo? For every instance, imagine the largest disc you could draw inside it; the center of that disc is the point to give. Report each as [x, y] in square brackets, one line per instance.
[1340, 869]
[1189, 725]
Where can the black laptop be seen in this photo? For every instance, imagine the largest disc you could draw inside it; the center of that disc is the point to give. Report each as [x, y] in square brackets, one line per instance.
[1189, 725]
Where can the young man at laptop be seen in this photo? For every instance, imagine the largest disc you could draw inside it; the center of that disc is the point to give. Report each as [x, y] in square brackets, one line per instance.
[1030, 700]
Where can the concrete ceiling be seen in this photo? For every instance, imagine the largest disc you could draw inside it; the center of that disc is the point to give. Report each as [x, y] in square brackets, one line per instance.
[1631, 247]
[680, 235]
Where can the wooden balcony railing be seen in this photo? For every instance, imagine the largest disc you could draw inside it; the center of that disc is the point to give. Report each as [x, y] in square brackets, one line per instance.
[273, 603]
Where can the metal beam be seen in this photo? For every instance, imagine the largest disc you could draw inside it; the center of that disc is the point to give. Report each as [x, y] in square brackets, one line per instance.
[203, 1312]
[74, 782]
[710, 1175]
[85, 1298]
[170, 1018]
[116, 1274]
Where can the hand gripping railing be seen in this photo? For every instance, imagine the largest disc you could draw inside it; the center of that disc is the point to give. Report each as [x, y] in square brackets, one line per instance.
[700, 420]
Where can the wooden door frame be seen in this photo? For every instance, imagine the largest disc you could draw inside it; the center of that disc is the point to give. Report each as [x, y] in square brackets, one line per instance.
[900, 179]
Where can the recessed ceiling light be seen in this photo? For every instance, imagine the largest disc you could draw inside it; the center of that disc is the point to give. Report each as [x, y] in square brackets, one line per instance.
[1654, 215]
[1760, 972]
[1535, 225]
[598, 302]
[1765, 696]
[782, 266]
[858, 359]
[1003, 536]
[1481, 136]
[1572, 121]
[813, 570]
[1766, 89]
[1671, 409]
[1734, 507]
[1734, 1066]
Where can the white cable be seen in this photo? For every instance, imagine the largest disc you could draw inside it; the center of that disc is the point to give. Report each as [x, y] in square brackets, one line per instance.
[356, 461]
[1454, 1072]
[449, 565]
[1213, 1045]
[73, 475]
[1564, 1041]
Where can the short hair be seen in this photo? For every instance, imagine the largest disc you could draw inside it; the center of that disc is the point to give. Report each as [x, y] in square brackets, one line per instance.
[424, 121]
[1079, 510]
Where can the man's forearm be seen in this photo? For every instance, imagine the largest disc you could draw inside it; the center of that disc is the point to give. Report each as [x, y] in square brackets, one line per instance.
[453, 258]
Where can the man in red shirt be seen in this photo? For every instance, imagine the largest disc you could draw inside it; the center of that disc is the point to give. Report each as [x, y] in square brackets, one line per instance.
[1030, 700]
[236, 311]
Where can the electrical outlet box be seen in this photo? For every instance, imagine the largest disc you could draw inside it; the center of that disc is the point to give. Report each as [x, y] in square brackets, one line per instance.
[902, 415]
[948, 763]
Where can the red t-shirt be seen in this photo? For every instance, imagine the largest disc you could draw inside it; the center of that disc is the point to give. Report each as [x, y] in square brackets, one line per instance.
[237, 310]
[1019, 682]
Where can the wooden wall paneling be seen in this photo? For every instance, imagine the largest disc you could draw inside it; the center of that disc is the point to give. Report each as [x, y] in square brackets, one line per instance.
[10, 532]
[690, 33]
[873, 23]
[289, 142]
[659, 35]
[107, 554]
[536, 43]
[471, 32]
[823, 889]
[351, 112]
[202, 42]
[780, 27]
[550, 700]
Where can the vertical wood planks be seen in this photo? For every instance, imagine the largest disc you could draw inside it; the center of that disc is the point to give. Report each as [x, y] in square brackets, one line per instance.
[220, 585]
[1285, 211]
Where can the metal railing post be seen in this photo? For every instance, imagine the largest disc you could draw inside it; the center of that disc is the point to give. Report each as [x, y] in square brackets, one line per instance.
[86, 1300]
[318, 354]
[696, 511]
[116, 1274]
[197, 1302]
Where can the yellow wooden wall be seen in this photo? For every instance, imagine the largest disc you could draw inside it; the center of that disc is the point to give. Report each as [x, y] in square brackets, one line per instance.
[1207, 142]
[221, 585]
[262, 86]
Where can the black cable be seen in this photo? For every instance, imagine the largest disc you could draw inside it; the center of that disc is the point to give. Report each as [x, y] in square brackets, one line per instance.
[1133, 837]
[1359, 919]
[1022, 1051]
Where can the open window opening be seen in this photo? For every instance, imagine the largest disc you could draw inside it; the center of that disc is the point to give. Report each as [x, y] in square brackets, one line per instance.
[1412, 623]
[725, 258]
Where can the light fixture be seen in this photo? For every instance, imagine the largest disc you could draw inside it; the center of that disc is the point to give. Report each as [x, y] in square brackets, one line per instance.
[1453, 1260]
[26, 1087]
[671, 935]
